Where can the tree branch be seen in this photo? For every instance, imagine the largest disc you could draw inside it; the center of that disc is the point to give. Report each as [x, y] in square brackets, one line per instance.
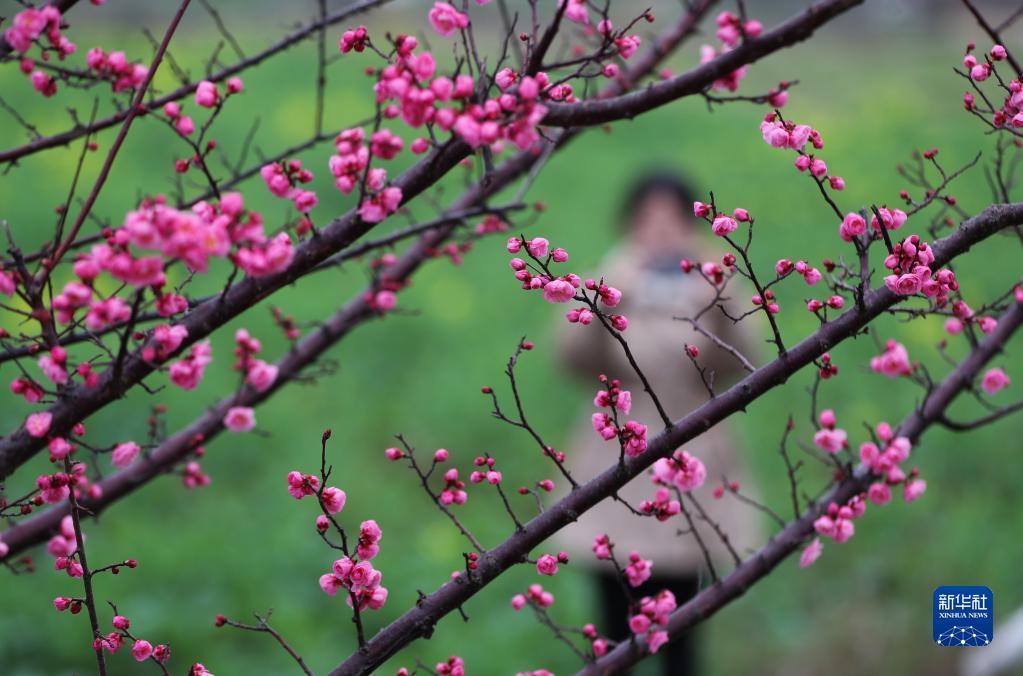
[420, 619]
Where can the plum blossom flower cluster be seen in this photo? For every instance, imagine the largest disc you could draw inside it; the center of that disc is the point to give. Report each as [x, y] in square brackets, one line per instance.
[331, 498]
[548, 564]
[963, 315]
[682, 471]
[884, 462]
[830, 438]
[626, 45]
[1010, 114]
[349, 167]
[360, 579]
[453, 666]
[809, 273]
[354, 574]
[222, 230]
[910, 263]
[536, 595]
[651, 619]
[893, 362]
[188, 371]
[632, 434]
[354, 39]
[454, 489]
[55, 488]
[183, 125]
[141, 649]
[780, 133]
[837, 522]
[30, 24]
[283, 178]
[602, 547]
[711, 271]
[114, 66]
[639, 569]
[721, 223]
[207, 95]
[555, 289]
[418, 96]
[731, 29]
[565, 288]
[258, 373]
[486, 472]
[27, 28]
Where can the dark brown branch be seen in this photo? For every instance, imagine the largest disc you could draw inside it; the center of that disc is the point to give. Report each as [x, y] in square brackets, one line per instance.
[627, 106]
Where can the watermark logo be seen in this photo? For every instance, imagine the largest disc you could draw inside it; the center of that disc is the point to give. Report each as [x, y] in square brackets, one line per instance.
[963, 616]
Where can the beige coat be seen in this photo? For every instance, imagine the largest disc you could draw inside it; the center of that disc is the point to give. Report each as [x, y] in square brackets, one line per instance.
[652, 296]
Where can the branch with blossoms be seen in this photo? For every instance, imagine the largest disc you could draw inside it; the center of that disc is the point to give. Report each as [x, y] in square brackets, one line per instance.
[419, 620]
[31, 26]
[273, 262]
[176, 450]
[466, 119]
[833, 515]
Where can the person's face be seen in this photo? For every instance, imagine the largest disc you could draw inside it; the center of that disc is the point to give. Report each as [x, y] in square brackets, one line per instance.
[659, 225]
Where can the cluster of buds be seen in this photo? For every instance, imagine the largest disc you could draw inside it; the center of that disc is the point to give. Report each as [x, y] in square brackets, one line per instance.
[454, 489]
[886, 464]
[487, 473]
[283, 178]
[682, 470]
[893, 362]
[710, 270]
[652, 619]
[730, 29]
[258, 373]
[830, 438]
[562, 288]
[547, 564]
[534, 594]
[828, 368]
[354, 39]
[780, 133]
[834, 302]
[193, 477]
[639, 569]
[26, 28]
[910, 263]
[721, 223]
[361, 580]
[662, 507]
[602, 547]
[837, 522]
[614, 396]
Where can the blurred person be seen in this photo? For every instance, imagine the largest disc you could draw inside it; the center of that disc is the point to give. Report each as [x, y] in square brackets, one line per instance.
[660, 230]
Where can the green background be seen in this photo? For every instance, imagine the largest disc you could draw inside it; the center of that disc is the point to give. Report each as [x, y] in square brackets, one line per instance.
[877, 86]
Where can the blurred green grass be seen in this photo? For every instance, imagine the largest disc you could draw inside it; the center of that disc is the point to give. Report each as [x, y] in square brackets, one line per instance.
[244, 545]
